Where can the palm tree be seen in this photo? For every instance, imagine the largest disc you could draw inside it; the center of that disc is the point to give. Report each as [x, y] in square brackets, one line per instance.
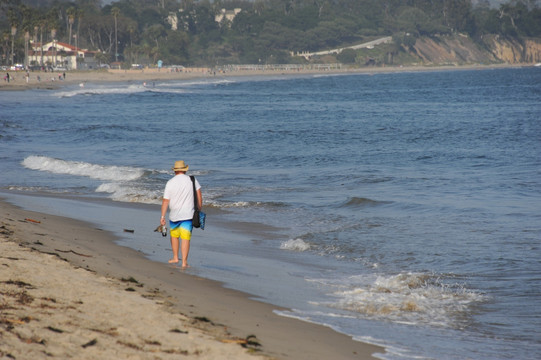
[40, 25]
[131, 29]
[115, 12]
[71, 12]
[13, 33]
[53, 37]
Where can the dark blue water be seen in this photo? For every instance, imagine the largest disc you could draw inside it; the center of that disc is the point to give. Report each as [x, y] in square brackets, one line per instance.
[403, 209]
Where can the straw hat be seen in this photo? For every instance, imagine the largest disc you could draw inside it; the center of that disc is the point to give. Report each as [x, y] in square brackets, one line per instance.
[180, 166]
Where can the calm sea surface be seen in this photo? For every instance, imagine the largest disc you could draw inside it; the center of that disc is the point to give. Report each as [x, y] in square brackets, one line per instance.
[403, 209]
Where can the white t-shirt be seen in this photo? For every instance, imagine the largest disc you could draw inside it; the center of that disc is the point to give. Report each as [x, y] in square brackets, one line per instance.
[179, 192]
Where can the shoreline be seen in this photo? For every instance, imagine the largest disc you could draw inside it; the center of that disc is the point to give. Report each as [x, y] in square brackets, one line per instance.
[226, 318]
[18, 82]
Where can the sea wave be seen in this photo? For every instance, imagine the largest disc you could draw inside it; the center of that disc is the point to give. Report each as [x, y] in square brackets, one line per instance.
[38, 189]
[362, 202]
[94, 171]
[295, 245]
[175, 87]
[128, 192]
[86, 90]
[406, 298]
[198, 82]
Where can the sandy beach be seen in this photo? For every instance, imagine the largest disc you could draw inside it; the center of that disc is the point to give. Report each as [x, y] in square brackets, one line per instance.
[53, 80]
[67, 291]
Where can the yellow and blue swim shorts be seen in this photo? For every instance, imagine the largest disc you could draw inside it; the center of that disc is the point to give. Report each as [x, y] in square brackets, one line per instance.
[181, 229]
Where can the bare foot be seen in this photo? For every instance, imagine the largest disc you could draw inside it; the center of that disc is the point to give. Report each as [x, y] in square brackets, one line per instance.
[185, 266]
[173, 261]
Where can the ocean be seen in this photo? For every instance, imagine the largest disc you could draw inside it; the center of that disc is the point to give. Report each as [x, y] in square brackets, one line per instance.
[403, 209]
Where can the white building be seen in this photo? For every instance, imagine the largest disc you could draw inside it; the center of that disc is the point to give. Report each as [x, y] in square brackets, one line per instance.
[59, 54]
[229, 15]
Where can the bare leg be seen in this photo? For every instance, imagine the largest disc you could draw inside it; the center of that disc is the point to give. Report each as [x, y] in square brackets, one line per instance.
[185, 251]
[174, 247]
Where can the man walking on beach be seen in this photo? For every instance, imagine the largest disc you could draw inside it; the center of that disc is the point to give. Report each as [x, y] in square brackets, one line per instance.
[178, 196]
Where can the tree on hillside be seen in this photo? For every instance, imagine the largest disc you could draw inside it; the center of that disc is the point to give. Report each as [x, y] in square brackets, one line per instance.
[116, 12]
[264, 30]
[457, 14]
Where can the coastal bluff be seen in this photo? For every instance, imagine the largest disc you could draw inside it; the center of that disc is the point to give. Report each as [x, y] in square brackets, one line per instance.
[461, 49]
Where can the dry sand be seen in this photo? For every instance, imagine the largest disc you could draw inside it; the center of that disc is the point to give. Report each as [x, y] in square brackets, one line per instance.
[67, 291]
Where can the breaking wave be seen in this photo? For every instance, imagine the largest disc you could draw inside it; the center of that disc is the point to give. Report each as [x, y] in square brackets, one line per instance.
[85, 90]
[93, 171]
[295, 245]
[127, 192]
[408, 298]
[124, 184]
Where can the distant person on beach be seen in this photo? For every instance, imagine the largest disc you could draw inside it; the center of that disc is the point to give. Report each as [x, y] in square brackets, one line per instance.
[179, 198]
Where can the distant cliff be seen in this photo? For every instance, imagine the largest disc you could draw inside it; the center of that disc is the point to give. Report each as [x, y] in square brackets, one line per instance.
[461, 49]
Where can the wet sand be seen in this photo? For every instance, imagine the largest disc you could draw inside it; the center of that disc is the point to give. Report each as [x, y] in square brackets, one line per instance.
[68, 291]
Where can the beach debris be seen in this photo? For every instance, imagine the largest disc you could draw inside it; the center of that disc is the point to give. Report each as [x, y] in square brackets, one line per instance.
[153, 342]
[131, 279]
[71, 251]
[53, 329]
[129, 230]
[32, 220]
[203, 319]
[12, 321]
[249, 341]
[90, 343]
[5, 231]
[178, 331]
[24, 298]
[130, 345]
[18, 283]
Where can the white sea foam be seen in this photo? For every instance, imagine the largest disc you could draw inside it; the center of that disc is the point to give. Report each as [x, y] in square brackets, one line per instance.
[408, 298]
[127, 192]
[212, 198]
[102, 90]
[201, 82]
[295, 245]
[94, 171]
[36, 189]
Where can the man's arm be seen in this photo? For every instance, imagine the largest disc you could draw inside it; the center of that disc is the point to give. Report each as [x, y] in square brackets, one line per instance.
[199, 199]
[165, 205]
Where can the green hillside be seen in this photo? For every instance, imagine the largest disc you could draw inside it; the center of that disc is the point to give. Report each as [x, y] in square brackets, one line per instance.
[210, 33]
